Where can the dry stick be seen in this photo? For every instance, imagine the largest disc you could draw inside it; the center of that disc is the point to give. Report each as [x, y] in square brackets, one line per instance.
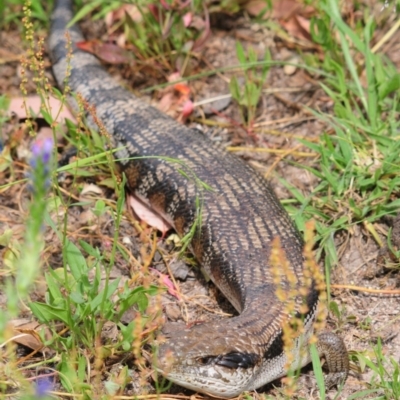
[389, 292]
[387, 36]
[232, 149]
[282, 156]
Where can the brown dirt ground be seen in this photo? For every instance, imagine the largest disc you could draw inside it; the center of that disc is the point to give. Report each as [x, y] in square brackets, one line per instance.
[281, 118]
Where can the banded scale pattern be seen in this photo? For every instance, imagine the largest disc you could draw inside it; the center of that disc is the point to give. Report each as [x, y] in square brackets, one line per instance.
[240, 217]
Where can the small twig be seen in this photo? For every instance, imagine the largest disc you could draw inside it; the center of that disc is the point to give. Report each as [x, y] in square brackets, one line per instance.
[390, 292]
[272, 151]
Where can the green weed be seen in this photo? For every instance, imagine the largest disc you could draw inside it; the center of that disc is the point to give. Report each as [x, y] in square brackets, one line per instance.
[164, 32]
[358, 170]
[75, 307]
[385, 381]
[248, 95]
[12, 12]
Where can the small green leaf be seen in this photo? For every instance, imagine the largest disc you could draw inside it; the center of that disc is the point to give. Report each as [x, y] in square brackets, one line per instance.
[142, 302]
[75, 260]
[85, 10]
[94, 252]
[334, 309]
[112, 287]
[392, 85]
[46, 115]
[77, 298]
[251, 55]
[234, 89]
[46, 313]
[53, 285]
[99, 208]
[5, 237]
[240, 53]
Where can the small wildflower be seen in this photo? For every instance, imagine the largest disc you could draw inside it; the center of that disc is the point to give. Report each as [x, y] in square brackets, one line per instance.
[40, 164]
[43, 149]
[43, 387]
[39, 182]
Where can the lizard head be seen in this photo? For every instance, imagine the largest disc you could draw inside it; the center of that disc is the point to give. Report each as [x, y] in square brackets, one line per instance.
[211, 359]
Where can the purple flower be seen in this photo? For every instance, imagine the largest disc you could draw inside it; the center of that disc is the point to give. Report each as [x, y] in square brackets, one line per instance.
[39, 176]
[41, 150]
[43, 387]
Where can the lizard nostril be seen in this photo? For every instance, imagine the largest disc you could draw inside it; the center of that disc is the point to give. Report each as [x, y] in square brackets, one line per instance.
[206, 360]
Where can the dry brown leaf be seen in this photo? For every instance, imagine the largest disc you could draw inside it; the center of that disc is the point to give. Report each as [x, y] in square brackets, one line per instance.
[146, 214]
[297, 27]
[285, 9]
[59, 111]
[108, 52]
[117, 15]
[293, 15]
[26, 333]
[256, 7]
